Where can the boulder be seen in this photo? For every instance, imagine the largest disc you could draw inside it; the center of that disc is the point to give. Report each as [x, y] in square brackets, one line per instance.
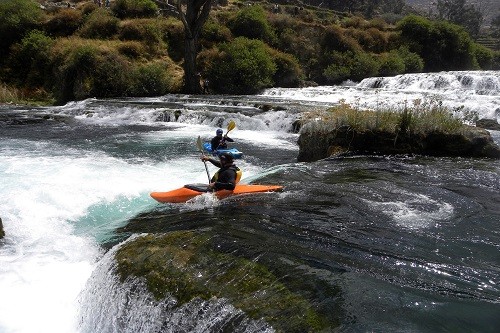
[490, 124]
[189, 265]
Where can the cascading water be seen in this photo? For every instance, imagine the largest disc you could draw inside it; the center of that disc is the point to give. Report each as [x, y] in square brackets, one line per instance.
[391, 244]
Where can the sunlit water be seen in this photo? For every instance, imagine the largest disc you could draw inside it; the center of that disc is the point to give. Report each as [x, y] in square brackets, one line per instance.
[399, 244]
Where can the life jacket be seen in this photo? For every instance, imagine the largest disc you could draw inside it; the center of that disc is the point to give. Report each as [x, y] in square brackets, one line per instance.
[239, 173]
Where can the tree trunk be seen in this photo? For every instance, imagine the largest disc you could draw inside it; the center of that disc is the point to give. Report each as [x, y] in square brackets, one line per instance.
[193, 20]
[191, 74]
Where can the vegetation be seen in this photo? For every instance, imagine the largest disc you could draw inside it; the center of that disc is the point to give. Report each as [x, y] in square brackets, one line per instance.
[139, 48]
[418, 119]
[186, 265]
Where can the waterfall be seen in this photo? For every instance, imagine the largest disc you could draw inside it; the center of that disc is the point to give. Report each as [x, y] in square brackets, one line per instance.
[108, 305]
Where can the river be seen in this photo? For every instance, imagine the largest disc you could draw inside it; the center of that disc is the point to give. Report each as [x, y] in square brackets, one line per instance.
[378, 243]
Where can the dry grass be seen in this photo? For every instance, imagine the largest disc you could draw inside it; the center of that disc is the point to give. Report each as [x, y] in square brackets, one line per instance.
[421, 118]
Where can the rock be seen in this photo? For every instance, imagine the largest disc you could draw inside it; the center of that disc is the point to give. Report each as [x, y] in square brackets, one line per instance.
[317, 142]
[490, 124]
[2, 233]
[189, 265]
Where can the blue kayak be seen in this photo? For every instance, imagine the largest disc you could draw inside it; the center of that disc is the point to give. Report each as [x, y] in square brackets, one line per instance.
[233, 151]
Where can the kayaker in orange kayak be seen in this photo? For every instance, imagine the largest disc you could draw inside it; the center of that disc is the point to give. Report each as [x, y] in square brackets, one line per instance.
[228, 175]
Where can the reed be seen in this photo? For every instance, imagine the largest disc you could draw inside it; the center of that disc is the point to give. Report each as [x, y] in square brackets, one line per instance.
[9, 94]
[419, 119]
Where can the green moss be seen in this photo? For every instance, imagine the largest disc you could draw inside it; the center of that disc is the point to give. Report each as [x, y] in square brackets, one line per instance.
[186, 265]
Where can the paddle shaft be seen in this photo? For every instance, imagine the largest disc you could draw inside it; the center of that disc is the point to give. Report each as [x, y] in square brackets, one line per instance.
[198, 143]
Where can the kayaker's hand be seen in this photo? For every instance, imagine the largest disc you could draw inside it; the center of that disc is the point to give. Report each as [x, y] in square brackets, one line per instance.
[205, 158]
[211, 186]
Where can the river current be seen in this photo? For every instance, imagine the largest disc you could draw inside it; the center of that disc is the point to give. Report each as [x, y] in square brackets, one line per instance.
[377, 243]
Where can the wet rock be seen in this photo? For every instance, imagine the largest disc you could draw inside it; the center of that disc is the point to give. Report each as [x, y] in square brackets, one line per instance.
[189, 265]
[317, 143]
[490, 124]
[2, 233]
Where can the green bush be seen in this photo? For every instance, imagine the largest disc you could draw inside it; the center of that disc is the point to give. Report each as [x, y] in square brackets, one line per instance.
[148, 31]
[350, 65]
[151, 79]
[251, 22]
[412, 61]
[64, 23]
[132, 49]
[134, 8]
[16, 18]
[484, 56]
[442, 45]
[391, 64]
[288, 71]
[86, 69]
[495, 63]
[335, 39]
[100, 24]
[214, 33]
[30, 59]
[243, 66]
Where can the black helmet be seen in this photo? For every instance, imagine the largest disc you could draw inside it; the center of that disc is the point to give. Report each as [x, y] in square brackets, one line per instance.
[226, 157]
[219, 131]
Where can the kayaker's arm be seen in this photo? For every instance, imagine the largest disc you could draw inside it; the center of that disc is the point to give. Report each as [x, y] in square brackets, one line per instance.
[211, 160]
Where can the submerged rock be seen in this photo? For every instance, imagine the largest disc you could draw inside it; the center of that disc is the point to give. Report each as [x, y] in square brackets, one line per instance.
[490, 124]
[316, 142]
[187, 266]
[2, 233]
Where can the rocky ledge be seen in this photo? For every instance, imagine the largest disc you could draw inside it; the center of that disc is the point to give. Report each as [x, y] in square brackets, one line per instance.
[189, 265]
[317, 142]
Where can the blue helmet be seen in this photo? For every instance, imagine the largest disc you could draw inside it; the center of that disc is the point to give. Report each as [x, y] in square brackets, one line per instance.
[219, 131]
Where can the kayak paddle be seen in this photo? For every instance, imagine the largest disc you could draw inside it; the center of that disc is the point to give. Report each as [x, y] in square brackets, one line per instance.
[200, 148]
[230, 127]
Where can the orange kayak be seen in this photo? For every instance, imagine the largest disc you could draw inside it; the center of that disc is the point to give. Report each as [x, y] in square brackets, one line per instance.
[190, 191]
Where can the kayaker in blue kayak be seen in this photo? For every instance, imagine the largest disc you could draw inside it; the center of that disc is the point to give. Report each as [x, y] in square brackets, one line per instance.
[219, 141]
[228, 175]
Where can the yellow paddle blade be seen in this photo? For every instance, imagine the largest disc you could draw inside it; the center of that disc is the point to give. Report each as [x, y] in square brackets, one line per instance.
[231, 125]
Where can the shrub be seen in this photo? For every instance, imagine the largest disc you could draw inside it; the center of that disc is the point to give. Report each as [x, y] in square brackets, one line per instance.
[335, 39]
[99, 25]
[175, 38]
[134, 8]
[147, 31]
[288, 71]
[88, 68]
[64, 23]
[151, 79]
[214, 33]
[350, 65]
[484, 56]
[251, 22]
[391, 64]
[132, 49]
[17, 18]
[442, 45]
[243, 66]
[30, 59]
[412, 61]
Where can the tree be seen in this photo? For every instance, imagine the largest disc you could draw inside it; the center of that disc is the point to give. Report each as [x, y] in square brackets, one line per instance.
[495, 25]
[193, 14]
[458, 12]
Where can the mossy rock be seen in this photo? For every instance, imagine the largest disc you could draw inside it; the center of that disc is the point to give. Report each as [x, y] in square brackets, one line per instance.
[187, 265]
